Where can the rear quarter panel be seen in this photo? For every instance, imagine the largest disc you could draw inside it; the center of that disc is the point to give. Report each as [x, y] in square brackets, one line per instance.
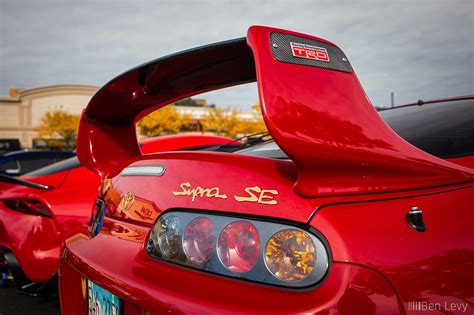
[435, 266]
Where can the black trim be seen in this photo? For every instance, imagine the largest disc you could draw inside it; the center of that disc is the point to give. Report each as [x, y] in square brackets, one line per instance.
[19, 277]
[22, 182]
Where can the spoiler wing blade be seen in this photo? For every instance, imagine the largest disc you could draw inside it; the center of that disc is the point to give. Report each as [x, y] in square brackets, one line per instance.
[312, 103]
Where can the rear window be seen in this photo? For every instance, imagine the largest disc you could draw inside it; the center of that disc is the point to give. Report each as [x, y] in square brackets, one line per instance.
[31, 163]
[64, 165]
[443, 129]
[268, 150]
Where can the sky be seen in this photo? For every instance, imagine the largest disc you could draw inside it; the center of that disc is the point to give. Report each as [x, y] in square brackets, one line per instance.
[420, 49]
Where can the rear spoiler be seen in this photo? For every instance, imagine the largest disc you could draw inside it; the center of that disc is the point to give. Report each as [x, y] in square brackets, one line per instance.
[312, 103]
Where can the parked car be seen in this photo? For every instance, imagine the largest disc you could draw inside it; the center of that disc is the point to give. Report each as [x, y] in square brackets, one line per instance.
[8, 145]
[340, 214]
[17, 163]
[39, 210]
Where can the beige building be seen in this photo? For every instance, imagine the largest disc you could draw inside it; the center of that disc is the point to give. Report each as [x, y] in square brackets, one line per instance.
[22, 109]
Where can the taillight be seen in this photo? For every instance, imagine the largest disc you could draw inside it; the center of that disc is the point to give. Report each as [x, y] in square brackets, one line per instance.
[28, 205]
[255, 250]
[239, 246]
[199, 240]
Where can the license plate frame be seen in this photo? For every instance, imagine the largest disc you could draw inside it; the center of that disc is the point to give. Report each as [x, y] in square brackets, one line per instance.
[102, 302]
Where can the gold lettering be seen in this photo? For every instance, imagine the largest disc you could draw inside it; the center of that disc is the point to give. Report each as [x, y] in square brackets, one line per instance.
[184, 187]
[252, 197]
[214, 192]
[256, 194]
[199, 192]
[263, 196]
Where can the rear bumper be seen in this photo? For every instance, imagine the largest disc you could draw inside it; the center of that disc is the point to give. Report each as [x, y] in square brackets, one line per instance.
[122, 267]
[33, 242]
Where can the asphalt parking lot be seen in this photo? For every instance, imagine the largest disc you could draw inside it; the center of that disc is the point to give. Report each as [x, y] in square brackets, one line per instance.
[12, 303]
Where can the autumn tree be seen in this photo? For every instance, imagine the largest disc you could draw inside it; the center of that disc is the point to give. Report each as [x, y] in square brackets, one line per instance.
[60, 124]
[226, 122]
[222, 121]
[253, 125]
[164, 121]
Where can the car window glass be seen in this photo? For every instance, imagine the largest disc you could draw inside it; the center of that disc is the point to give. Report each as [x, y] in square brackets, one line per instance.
[28, 164]
[8, 167]
[268, 150]
[444, 129]
[64, 165]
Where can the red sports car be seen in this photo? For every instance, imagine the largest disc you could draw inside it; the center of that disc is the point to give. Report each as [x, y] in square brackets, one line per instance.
[345, 212]
[51, 204]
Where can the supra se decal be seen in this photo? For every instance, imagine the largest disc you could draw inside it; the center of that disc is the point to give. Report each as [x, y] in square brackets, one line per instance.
[253, 194]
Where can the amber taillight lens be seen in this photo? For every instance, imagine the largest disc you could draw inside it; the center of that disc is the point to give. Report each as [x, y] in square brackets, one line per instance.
[28, 205]
[255, 250]
[290, 255]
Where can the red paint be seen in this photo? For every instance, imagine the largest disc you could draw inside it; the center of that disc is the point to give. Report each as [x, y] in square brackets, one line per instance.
[350, 177]
[160, 287]
[434, 266]
[176, 142]
[329, 128]
[467, 161]
[35, 240]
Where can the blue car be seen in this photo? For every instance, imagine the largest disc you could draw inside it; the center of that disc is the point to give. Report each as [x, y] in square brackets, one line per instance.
[21, 162]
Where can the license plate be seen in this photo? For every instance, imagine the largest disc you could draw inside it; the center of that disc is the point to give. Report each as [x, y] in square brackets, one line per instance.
[101, 301]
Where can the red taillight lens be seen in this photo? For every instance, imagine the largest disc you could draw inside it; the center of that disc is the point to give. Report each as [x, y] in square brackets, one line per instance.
[198, 240]
[28, 205]
[239, 246]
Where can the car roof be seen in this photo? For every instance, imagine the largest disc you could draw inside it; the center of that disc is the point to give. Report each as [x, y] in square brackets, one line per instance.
[421, 102]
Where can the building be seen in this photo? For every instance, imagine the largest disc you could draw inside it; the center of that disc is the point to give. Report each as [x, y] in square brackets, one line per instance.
[198, 109]
[22, 109]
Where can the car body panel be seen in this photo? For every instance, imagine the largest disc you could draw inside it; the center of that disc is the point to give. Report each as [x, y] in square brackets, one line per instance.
[171, 143]
[416, 263]
[467, 161]
[188, 171]
[36, 240]
[122, 267]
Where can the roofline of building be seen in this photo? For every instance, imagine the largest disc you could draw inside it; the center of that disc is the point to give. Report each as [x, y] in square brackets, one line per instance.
[50, 88]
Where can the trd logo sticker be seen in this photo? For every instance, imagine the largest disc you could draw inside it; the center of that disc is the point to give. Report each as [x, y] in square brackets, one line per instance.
[309, 52]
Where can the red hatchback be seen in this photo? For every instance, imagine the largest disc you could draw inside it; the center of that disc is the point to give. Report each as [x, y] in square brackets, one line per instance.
[344, 212]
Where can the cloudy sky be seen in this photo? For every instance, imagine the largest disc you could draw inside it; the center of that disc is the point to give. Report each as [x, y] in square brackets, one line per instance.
[420, 49]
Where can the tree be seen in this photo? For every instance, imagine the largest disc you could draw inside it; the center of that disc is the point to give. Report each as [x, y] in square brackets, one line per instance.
[58, 123]
[253, 125]
[164, 121]
[226, 122]
[186, 102]
[222, 121]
